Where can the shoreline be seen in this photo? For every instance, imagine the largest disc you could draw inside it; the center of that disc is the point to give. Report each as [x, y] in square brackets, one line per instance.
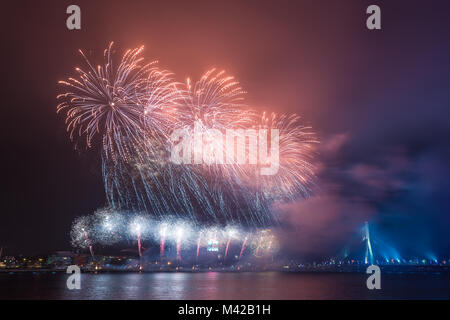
[344, 270]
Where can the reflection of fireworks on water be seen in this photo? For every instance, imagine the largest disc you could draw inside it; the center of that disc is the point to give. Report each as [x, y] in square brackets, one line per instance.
[134, 108]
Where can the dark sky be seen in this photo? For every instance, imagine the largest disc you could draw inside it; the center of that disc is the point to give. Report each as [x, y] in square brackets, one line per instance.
[379, 101]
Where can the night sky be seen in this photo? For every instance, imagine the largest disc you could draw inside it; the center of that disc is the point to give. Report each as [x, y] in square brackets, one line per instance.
[378, 100]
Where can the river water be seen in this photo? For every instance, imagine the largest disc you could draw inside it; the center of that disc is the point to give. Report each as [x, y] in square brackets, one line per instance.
[218, 285]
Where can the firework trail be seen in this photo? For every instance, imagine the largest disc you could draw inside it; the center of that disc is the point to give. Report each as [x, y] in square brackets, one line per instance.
[138, 227]
[107, 223]
[139, 245]
[258, 247]
[269, 246]
[133, 108]
[178, 250]
[103, 99]
[296, 148]
[231, 232]
[238, 190]
[91, 250]
[79, 233]
[243, 248]
[162, 233]
[179, 234]
[215, 101]
[158, 186]
[226, 248]
[143, 227]
[139, 184]
[198, 246]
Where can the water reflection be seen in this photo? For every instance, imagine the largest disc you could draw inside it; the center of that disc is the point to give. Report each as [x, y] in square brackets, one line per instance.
[217, 285]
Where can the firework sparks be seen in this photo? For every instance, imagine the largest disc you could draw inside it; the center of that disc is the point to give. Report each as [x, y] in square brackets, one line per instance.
[103, 99]
[243, 247]
[199, 241]
[141, 228]
[162, 232]
[134, 107]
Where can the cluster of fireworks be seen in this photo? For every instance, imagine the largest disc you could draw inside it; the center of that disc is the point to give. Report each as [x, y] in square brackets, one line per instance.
[108, 227]
[130, 109]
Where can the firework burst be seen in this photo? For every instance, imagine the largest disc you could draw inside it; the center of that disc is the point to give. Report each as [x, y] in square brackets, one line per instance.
[296, 149]
[117, 103]
[134, 108]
